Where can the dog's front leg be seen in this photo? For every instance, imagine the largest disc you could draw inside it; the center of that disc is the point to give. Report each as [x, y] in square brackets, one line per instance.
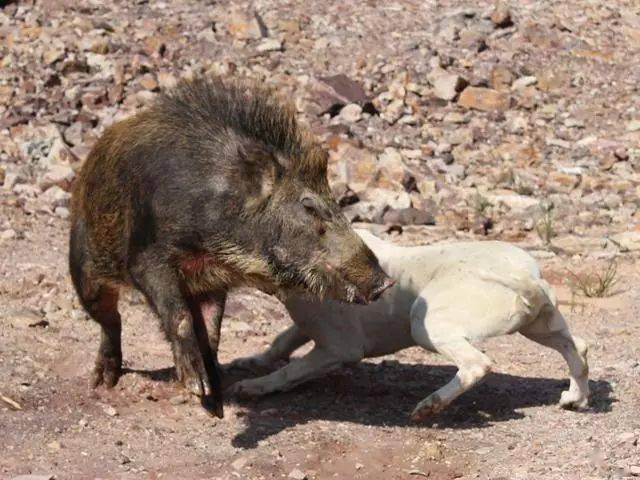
[315, 364]
[280, 349]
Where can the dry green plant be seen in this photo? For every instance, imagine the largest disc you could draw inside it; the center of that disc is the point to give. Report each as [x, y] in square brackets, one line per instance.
[545, 226]
[481, 204]
[596, 284]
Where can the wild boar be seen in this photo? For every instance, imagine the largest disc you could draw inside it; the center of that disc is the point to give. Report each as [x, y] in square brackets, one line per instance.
[214, 186]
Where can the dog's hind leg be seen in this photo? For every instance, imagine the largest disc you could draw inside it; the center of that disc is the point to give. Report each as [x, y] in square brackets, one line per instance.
[473, 366]
[433, 328]
[550, 330]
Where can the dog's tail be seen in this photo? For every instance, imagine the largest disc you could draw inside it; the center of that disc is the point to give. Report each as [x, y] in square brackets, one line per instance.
[533, 293]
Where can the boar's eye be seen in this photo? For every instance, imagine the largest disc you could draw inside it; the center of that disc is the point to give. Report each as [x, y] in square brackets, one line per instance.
[312, 206]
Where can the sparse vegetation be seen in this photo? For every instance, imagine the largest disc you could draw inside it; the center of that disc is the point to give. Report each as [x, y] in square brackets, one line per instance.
[545, 225]
[596, 284]
[481, 204]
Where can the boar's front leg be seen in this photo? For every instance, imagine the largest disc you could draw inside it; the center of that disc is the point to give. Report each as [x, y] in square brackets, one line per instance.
[207, 313]
[196, 365]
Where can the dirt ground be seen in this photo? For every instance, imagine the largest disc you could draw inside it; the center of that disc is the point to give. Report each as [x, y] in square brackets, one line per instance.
[351, 424]
[475, 119]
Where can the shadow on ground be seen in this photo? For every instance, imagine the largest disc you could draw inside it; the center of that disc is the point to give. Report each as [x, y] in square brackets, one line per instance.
[384, 394]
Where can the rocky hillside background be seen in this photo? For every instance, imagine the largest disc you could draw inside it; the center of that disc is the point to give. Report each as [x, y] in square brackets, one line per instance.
[472, 116]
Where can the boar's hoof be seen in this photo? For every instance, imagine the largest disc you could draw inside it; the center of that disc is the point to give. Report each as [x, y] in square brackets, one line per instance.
[106, 372]
[194, 379]
[192, 373]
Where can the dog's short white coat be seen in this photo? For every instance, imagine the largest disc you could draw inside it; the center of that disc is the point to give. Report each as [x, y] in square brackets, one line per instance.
[446, 296]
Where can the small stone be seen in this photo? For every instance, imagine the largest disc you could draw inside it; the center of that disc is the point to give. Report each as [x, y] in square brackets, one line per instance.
[62, 212]
[629, 241]
[154, 45]
[8, 234]
[34, 477]
[359, 466]
[501, 78]
[148, 82]
[54, 445]
[461, 136]
[633, 126]
[351, 113]
[178, 400]
[523, 82]
[447, 86]
[109, 410]
[394, 111]
[485, 99]
[501, 16]
[573, 123]
[455, 117]
[53, 54]
[245, 25]
[556, 142]
[270, 45]
[56, 197]
[627, 437]
[621, 153]
[59, 175]
[239, 463]
[634, 470]
[11, 179]
[60, 153]
[297, 474]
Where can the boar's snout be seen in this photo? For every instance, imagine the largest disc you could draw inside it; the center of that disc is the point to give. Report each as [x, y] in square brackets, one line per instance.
[386, 284]
[374, 289]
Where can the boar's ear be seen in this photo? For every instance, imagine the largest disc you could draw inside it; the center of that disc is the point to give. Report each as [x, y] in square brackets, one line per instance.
[260, 170]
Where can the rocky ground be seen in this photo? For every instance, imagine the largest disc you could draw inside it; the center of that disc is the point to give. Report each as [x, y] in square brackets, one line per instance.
[445, 120]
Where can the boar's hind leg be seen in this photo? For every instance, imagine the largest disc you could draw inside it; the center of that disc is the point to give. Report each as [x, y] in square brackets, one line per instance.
[103, 308]
[195, 364]
[101, 302]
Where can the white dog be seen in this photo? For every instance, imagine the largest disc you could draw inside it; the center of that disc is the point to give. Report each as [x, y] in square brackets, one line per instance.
[446, 296]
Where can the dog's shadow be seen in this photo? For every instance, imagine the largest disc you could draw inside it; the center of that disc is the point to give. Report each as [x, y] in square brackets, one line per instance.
[384, 395]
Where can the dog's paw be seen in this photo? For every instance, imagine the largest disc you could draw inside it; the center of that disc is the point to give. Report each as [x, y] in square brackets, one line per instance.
[246, 389]
[253, 365]
[426, 408]
[573, 401]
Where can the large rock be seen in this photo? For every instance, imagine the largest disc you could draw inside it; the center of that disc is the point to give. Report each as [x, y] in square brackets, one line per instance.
[408, 216]
[333, 93]
[485, 99]
[352, 165]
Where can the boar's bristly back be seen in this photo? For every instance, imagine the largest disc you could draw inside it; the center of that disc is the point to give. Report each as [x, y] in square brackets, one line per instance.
[209, 108]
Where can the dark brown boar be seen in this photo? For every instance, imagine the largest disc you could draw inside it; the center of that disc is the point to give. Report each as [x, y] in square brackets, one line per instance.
[214, 186]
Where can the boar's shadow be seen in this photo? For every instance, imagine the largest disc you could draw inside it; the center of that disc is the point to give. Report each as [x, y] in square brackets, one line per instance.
[384, 394]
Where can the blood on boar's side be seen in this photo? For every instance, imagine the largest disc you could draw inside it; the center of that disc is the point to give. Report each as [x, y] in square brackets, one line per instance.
[214, 186]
